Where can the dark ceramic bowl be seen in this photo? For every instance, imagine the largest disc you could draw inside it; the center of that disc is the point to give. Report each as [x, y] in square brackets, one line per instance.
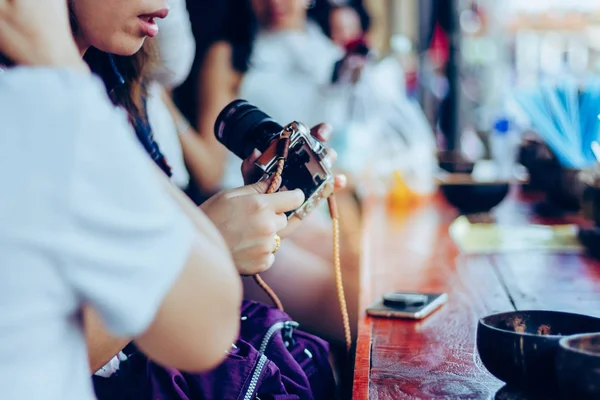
[519, 347]
[474, 197]
[578, 366]
[540, 162]
[567, 188]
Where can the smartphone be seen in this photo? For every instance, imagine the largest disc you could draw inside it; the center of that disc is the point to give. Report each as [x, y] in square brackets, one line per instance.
[407, 305]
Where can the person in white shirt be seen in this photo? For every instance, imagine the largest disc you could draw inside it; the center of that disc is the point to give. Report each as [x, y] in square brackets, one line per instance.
[83, 223]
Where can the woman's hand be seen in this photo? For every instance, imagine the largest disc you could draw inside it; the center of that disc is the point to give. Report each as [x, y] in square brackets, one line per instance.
[34, 32]
[251, 173]
[249, 220]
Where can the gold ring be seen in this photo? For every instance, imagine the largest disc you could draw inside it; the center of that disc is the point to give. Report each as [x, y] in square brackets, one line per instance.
[277, 244]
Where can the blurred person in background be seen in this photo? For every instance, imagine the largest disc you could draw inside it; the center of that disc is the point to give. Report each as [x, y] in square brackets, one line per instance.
[97, 226]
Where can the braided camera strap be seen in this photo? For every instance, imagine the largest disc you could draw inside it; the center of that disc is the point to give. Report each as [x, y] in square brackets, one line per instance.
[282, 151]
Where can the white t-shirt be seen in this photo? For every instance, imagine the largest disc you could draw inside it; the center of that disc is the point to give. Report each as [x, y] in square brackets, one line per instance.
[83, 220]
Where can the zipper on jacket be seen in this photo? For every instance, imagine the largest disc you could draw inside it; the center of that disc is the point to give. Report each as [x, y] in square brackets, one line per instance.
[289, 326]
[260, 366]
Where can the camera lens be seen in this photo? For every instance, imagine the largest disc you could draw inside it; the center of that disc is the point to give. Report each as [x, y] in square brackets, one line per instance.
[242, 127]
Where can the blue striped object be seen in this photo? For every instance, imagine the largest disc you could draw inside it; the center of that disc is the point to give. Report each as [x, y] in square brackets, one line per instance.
[565, 116]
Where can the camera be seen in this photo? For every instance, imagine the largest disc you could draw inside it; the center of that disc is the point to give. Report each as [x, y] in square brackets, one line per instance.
[242, 127]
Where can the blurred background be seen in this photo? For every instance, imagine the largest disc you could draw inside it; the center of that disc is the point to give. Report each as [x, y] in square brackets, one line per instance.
[469, 80]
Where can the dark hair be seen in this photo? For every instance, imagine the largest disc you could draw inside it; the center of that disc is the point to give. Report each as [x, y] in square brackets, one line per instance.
[135, 71]
[240, 30]
[322, 10]
[126, 79]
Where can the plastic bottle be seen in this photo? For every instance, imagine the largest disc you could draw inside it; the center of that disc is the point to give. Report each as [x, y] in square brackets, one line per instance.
[504, 143]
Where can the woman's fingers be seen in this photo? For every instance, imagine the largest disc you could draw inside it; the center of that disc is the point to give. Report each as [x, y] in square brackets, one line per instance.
[250, 172]
[322, 132]
[285, 201]
[256, 259]
[340, 182]
[280, 221]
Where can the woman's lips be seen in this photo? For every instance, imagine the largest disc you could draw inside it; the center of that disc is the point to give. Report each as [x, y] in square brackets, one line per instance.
[148, 25]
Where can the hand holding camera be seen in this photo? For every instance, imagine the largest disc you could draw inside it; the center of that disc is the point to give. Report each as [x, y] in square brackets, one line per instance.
[321, 132]
[249, 221]
[252, 173]
[255, 137]
[34, 32]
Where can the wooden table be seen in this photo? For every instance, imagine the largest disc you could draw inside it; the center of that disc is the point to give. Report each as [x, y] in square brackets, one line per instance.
[436, 358]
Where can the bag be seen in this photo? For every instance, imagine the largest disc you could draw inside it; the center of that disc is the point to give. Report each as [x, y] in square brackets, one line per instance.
[272, 360]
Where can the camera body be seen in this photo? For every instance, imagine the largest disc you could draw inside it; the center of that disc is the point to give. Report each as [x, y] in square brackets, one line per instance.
[305, 167]
[242, 127]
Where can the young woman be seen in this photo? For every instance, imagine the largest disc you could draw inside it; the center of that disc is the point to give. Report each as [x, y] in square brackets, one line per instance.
[87, 220]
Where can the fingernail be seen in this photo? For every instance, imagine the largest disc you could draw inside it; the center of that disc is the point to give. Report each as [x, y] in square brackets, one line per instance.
[325, 131]
[300, 194]
[342, 180]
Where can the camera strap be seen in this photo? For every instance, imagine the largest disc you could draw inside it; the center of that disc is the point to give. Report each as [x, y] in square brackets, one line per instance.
[283, 146]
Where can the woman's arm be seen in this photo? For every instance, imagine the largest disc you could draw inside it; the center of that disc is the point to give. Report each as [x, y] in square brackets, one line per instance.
[210, 272]
[103, 346]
